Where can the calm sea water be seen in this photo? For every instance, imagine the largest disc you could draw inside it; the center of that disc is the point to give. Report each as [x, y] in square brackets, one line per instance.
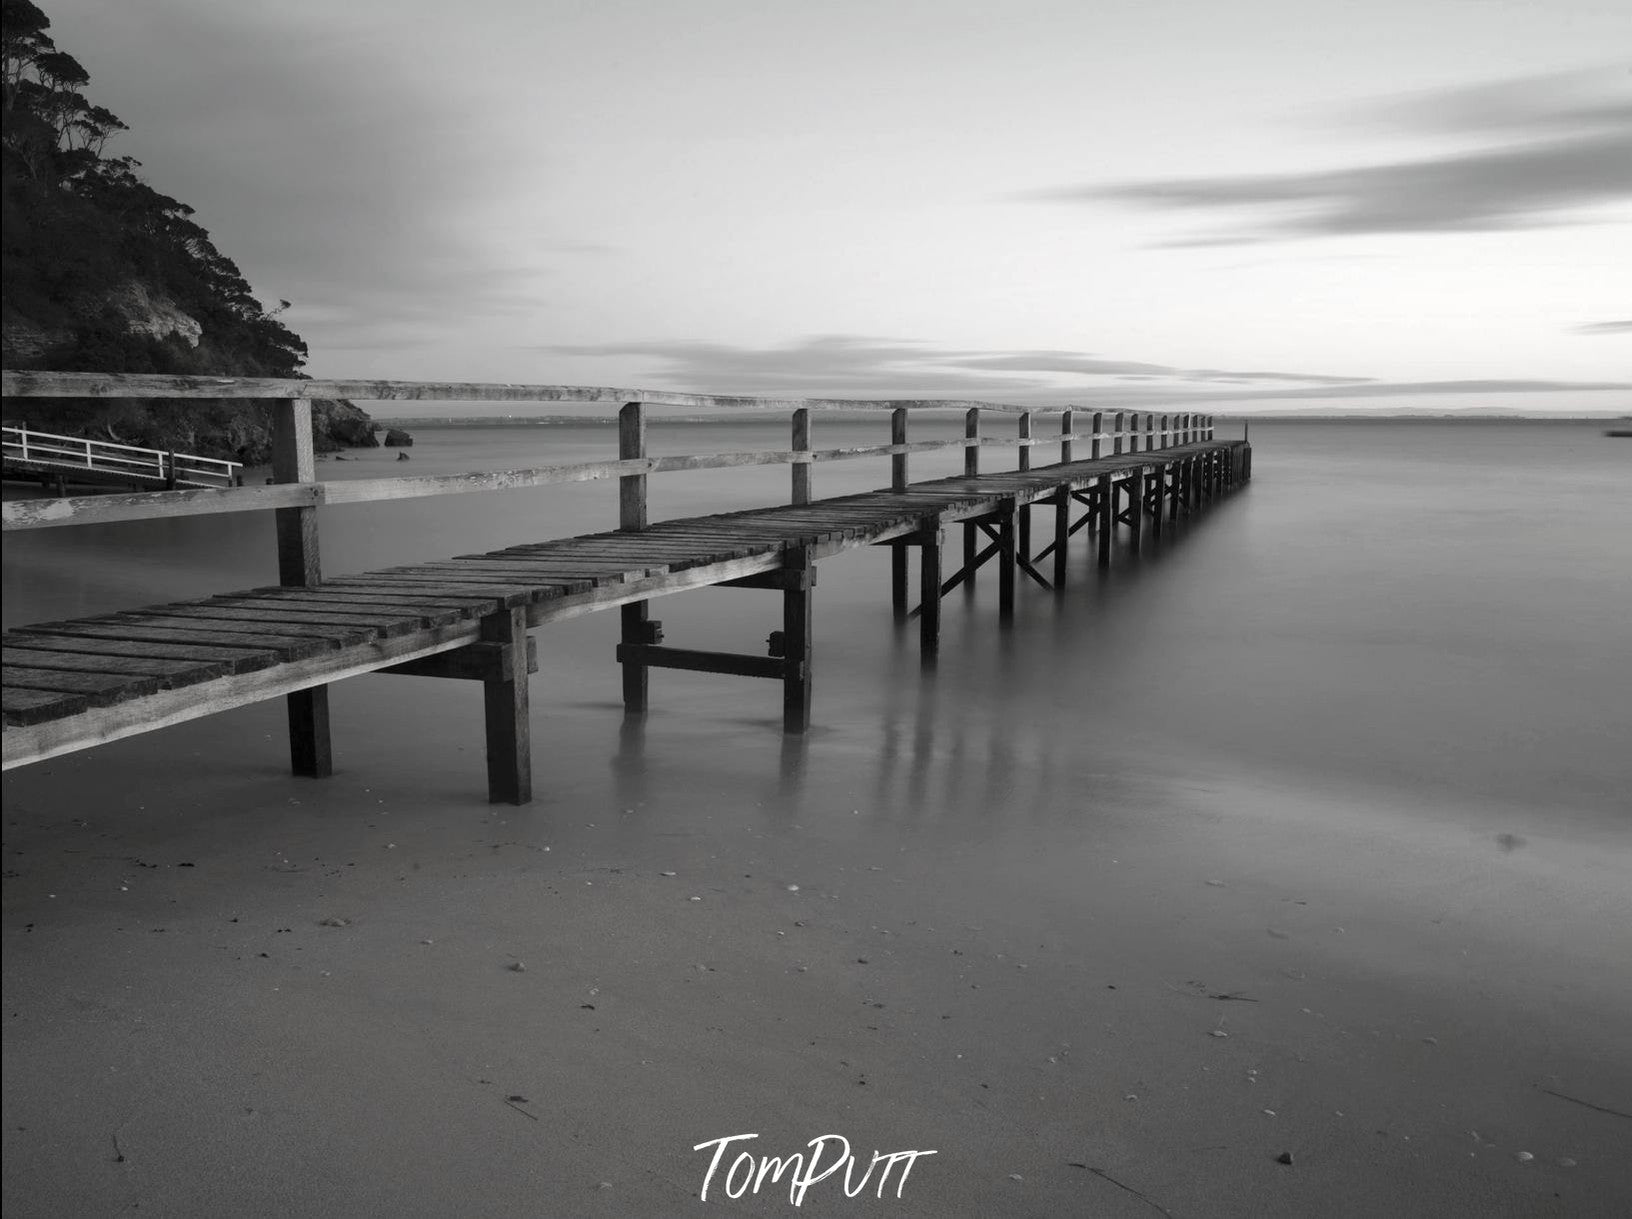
[1436, 611]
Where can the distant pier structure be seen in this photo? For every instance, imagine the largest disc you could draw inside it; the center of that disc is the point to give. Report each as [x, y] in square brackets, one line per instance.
[73, 684]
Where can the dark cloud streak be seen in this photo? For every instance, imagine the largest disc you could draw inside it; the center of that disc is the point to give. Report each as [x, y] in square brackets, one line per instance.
[1574, 153]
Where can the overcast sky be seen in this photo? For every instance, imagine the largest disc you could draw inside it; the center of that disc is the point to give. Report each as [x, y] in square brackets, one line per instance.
[1373, 204]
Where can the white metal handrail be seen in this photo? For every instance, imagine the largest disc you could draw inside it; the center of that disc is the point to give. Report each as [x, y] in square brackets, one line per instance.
[26, 444]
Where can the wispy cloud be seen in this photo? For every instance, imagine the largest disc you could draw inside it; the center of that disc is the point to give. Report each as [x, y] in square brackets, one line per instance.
[1569, 147]
[856, 366]
[853, 366]
[1621, 327]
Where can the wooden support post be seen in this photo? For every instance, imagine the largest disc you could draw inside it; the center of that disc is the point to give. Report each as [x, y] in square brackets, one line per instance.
[635, 616]
[1136, 508]
[1158, 493]
[1067, 430]
[971, 468]
[505, 712]
[1062, 534]
[1107, 514]
[311, 750]
[796, 643]
[929, 592]
[1024, 510]
[898, 482]
[801, 444]
[1006, 562]
[168, 461]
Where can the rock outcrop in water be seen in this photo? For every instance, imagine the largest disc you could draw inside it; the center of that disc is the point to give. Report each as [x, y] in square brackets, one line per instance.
[105, 274]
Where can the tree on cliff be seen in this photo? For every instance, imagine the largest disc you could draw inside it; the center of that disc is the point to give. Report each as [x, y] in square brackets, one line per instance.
[106, 274]
[80, 227]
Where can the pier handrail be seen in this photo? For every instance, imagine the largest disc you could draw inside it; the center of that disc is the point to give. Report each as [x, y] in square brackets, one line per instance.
[295, 485]
[29, 444]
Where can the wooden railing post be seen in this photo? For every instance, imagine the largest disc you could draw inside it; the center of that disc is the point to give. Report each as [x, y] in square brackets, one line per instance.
[167, 464]
[898, 482]
[801, 444]
[971, 468]
[636, 625]
[1167, 434]
[1062, 501]
[1150, 432]
[1099, 427]
[1116, 440]
[300, 566]
[1023, 511]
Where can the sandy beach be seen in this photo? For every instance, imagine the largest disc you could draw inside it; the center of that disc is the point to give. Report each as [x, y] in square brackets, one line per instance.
[246, 994]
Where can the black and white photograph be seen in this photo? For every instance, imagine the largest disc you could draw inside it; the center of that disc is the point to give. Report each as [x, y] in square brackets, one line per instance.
[926, 608]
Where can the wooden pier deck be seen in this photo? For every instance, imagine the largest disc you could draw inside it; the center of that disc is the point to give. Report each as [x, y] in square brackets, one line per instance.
[73, 684]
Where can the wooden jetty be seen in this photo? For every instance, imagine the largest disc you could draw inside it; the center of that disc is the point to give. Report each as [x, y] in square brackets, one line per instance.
[73, 684]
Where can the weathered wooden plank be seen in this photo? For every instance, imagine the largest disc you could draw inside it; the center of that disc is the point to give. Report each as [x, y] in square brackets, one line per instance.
[169, 672]
[507, 594]
[291, 618]
[606, 571]
[236, 660]
[23, 707]
[285, 647]
[98, 725]
[175, 618]
[147, 505]
[350, 600]
[534, 588]
[396, 619]
[99, 689]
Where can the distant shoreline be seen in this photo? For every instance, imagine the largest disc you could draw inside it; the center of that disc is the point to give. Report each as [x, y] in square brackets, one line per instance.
[738, 417]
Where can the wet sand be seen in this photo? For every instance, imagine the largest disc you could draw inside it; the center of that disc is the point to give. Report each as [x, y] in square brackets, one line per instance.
[236, 993]
[1366, 779]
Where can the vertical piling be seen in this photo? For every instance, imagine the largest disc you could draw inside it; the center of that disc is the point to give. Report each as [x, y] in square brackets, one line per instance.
[796, 640]
[300, 566]
[505, 712]
[632, 516]
[971, 468]
[929, 591]
[1024, 510]
[1006, 565]
[898, 482]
